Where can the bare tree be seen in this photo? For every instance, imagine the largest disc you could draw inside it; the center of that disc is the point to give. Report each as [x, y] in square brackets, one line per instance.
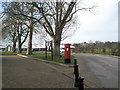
[27, 12]
[19, 30]
[9, 32]
[54, 17]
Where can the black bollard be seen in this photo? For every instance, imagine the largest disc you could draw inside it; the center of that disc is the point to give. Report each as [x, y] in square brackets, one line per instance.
[76, 72]
[75, 63]
[76, 75]
[78, 80]
[81, 84]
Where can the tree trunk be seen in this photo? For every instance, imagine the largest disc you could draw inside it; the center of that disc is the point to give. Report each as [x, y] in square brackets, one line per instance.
[29, 49]
[14, 47]
[57, 46]
[19, 49]
[19, 44]
[14, 40]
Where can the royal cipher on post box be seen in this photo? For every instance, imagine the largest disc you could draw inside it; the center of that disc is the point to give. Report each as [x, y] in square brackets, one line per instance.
[67, 53]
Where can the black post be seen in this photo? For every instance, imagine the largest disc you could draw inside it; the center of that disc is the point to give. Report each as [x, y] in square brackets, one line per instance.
[51, 50]
[78, 80]
[81, 84]
[76, 72]
[76, 75]
[75, 63]
[46, 49]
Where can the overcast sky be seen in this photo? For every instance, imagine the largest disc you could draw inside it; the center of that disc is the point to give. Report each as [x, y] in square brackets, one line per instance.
[99, 25]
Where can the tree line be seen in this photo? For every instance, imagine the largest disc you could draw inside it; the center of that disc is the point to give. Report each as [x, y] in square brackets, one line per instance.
[20, 20]
[98, 47]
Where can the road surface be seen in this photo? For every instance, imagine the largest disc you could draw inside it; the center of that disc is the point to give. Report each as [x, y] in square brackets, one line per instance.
[98, 70]
[0, 72]
[21, 72]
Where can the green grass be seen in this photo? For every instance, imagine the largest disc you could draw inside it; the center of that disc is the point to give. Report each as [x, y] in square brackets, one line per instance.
[100, 51]
[7, 52]
[41, 55]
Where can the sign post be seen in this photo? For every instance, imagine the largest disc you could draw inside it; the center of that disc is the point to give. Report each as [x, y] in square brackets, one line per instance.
[49, 47]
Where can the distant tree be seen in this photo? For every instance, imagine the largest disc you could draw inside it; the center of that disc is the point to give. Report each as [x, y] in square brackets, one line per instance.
[104, 50]
[9, 32]
[19, 30]
[30, 13]
[119, 49]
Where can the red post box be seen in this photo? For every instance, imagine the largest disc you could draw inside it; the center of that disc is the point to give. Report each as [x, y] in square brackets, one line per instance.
[67, 53]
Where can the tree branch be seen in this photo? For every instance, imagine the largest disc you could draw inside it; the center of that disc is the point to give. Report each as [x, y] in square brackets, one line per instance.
[25, 38]
[86, 9]
[69, 10]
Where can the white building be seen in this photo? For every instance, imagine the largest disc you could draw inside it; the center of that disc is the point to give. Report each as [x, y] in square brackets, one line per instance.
[5, 48]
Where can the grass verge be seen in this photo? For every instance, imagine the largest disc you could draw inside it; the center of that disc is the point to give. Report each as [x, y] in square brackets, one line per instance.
[7, 52]
[41, 55]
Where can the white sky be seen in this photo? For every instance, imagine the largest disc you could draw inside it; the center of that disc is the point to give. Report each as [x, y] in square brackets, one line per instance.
[101, 24]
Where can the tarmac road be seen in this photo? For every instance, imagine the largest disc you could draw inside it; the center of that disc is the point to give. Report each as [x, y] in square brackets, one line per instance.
[98, 70]
[20, 72]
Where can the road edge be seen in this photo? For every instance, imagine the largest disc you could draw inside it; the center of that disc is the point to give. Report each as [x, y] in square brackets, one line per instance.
[46, 61]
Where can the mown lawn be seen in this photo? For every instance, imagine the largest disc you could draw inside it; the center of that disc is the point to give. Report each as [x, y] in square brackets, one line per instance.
[41, 55]
[7, 52]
